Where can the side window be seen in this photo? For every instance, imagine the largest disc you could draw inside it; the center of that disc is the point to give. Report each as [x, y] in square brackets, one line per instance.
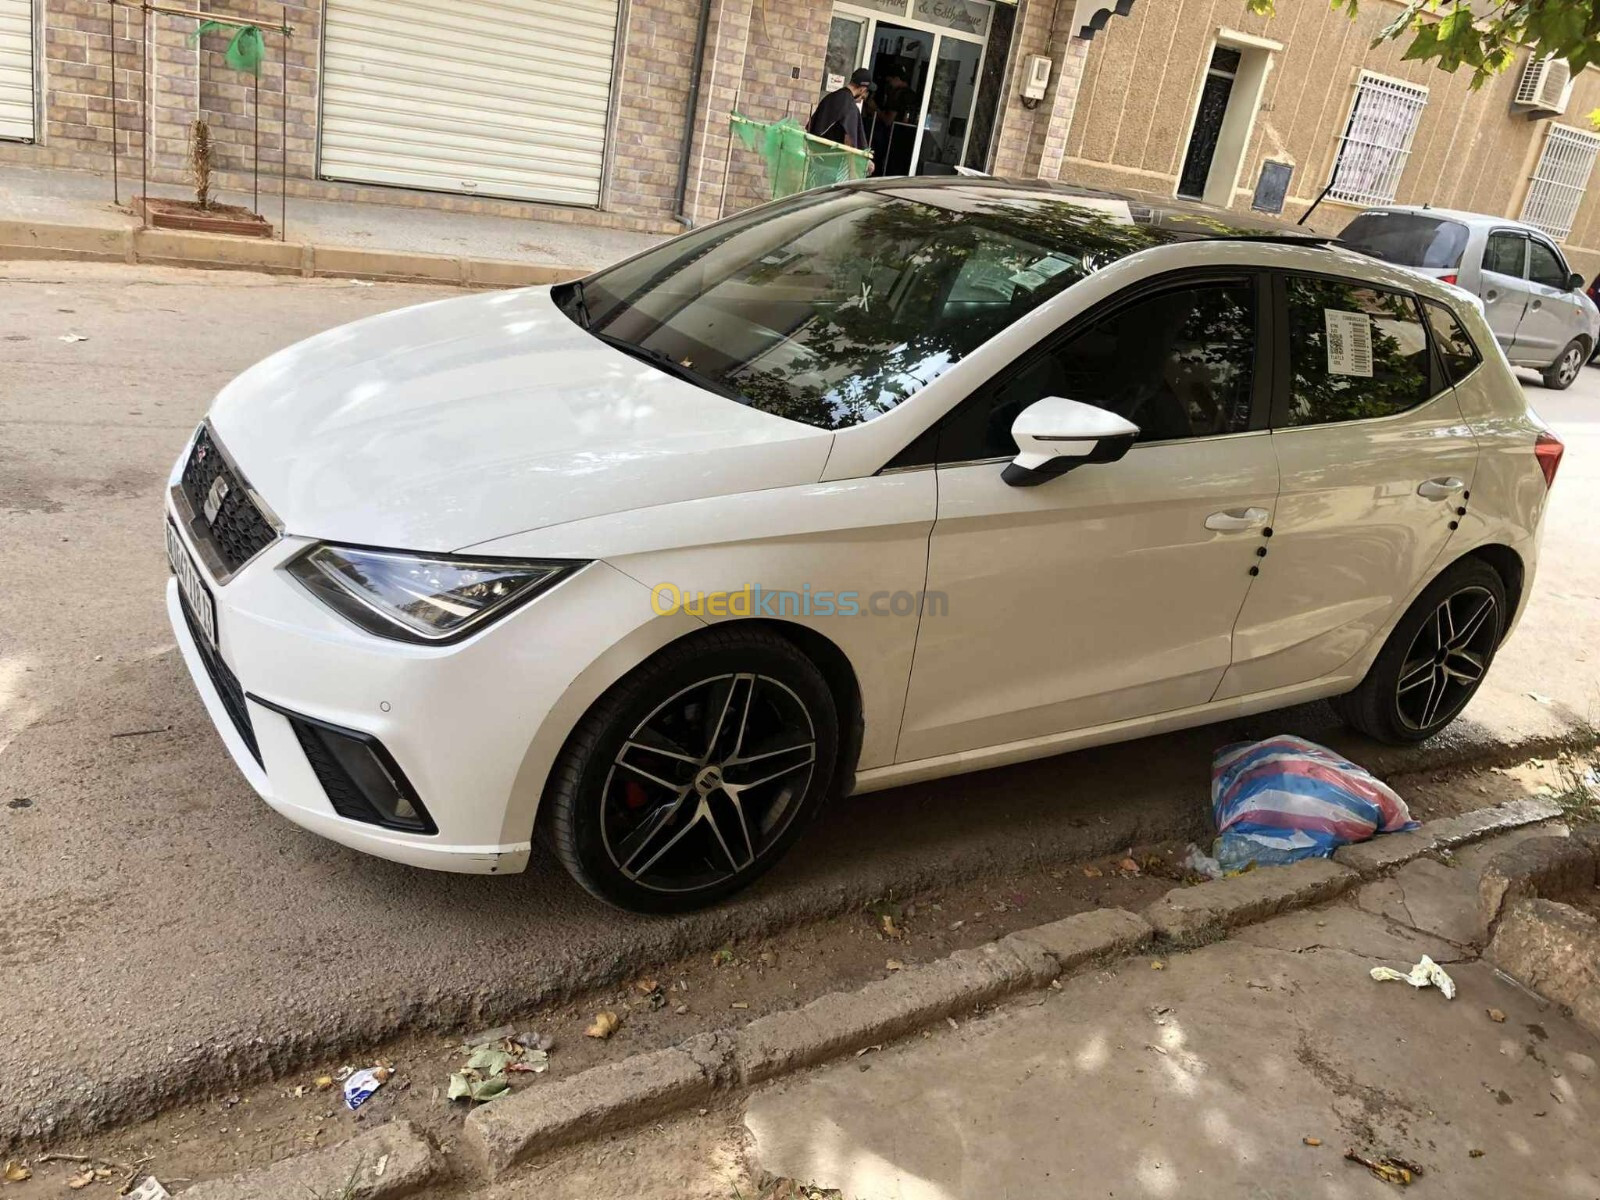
[1455, 347]
[1504, 254]
[1178, 364]
[1544, 266]
[1354, 352]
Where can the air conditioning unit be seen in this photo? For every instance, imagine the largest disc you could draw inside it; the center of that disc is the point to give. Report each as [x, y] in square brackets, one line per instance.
[1545, 85]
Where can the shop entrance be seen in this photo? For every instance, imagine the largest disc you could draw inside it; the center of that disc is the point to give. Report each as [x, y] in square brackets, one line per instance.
[928, 59]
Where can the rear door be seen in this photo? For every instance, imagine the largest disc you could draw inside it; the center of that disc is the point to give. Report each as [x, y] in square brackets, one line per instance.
[1554, 315]
[1375, 460]
[1503, 284]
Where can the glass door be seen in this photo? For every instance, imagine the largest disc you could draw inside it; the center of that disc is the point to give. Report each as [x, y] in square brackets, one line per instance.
[947, 117]
[900, 59]
[845, 38]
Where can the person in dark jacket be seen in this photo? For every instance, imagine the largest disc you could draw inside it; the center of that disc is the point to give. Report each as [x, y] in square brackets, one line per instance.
[838, 117]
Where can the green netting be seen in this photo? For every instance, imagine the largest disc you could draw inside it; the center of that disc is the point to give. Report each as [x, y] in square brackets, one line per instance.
[795, 160]
[245, 49]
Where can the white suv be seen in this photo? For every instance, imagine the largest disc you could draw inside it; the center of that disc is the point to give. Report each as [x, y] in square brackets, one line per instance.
[1535, 303]
[872, 485]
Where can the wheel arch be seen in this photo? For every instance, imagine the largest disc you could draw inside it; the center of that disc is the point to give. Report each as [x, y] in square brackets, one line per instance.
[835, 666]
[1508, 564]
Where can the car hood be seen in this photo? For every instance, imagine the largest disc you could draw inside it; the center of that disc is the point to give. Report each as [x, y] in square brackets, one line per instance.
[447, 424]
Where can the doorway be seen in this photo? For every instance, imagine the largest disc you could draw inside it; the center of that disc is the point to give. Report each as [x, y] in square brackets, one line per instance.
[927, 64]
[1214, 96]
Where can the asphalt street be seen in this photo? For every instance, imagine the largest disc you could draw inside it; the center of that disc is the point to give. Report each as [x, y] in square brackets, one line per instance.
[160, 927]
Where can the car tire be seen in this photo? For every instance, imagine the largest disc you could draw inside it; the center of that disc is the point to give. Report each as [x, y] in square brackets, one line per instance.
[1397, 702]
[661, 803]
[1560, 374]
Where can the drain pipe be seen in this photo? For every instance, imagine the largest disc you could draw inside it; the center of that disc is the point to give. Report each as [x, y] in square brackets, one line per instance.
[690, 115]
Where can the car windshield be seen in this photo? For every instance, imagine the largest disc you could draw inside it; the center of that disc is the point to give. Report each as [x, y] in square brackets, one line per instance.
[1407, 239]
[834, 306]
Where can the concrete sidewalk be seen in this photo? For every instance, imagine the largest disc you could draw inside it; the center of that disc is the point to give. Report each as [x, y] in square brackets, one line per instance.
[84, 198]
[1214, 1074]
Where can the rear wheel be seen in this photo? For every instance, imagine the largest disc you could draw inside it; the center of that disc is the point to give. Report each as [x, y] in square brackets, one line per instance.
[1560, 374]
[694, 774]
[1435, 658]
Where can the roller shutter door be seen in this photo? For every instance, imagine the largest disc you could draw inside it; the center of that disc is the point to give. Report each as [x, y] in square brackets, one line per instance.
[487, 97]
[16, 69]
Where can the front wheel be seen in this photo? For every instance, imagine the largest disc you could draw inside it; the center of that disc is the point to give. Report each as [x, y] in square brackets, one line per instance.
[1560, 374]
[693, 775]
[1435, 658]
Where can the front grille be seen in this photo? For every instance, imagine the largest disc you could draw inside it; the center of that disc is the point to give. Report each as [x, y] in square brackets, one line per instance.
[238, 530]
[226, 683]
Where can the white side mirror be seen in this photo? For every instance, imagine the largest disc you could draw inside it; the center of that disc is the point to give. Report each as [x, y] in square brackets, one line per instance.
[1054, 435]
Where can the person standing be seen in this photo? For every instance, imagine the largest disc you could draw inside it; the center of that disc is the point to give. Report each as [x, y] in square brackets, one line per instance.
[838, 117]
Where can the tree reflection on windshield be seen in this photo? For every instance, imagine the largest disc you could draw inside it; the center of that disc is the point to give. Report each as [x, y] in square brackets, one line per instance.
[834, 307]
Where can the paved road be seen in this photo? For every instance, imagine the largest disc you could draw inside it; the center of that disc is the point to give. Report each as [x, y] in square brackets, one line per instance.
[158, 924]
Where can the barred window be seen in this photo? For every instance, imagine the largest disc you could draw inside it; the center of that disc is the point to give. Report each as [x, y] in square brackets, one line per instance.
[1377, 139]
[1559, 180]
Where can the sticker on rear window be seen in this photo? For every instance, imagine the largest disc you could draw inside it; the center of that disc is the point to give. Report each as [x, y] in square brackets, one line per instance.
[1349, 339]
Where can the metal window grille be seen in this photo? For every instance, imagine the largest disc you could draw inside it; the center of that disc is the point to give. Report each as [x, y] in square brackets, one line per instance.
[1377, 139]
[1559, 180]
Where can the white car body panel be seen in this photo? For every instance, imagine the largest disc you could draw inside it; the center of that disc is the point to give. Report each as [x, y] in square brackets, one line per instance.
[430, 428]
[494, 424]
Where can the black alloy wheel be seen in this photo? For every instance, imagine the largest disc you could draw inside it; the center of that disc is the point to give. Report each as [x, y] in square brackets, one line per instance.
[694, 774]
[1435, 658]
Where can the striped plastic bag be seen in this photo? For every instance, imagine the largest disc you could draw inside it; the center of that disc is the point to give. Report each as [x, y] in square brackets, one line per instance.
[1285, 799]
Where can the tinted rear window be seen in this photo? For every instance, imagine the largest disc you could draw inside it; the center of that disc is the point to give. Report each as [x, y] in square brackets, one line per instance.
[1407, 239]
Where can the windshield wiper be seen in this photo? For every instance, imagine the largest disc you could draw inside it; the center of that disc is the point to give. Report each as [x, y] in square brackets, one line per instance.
[671, 366]
[580, 305]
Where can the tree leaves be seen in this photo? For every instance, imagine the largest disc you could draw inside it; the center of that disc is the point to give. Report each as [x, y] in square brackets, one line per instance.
[1485, 35]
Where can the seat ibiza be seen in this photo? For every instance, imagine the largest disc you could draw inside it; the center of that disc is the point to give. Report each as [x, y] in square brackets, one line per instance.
[872, 485]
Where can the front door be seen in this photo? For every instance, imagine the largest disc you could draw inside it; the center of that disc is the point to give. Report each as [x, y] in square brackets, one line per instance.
[1111, 592]
[1375, 459]
[1208, 119]
[1503, 285]
[1554, 315]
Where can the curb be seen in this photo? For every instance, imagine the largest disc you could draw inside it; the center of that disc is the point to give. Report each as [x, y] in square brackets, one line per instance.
[513, 1129]
[218, 252]
[392, 1160]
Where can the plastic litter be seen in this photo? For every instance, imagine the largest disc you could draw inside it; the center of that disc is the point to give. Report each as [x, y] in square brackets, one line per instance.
[1426, 973]
[1283, 799]
[149, 1189]
[359, 1087]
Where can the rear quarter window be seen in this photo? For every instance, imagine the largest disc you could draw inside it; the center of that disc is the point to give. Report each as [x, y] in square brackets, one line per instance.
[1407, 239]
[1355, 353]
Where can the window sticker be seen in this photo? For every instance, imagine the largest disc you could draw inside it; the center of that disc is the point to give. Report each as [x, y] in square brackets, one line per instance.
[1349, 339]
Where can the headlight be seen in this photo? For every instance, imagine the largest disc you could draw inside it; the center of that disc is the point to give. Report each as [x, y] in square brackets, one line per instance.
[421, 598]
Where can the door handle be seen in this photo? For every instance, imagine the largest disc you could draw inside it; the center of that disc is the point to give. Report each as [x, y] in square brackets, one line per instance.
[1234, 520]
[1440, 489]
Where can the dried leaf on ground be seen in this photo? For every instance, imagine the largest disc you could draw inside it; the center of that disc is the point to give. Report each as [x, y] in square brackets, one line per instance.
[1390, 1169]
[78, 1182]
[604, 1024]
[890, 929]
[894, 964]
[323, 1082]
[1311, 1141]
[1157, 965]
[1093, 872]
[646, 985]
[1128, 867]
[16, 1172]
[1495, 1015]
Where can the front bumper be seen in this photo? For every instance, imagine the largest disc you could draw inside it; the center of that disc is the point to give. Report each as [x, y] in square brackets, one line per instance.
[284, 778]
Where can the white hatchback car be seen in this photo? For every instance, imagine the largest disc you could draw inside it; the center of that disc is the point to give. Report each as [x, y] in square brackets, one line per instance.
[872, 485]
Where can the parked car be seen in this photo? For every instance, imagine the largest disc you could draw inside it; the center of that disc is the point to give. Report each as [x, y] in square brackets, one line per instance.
[1536, 304]
[868, 486]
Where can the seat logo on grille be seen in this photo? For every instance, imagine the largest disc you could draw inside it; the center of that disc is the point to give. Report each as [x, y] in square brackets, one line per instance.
[215, 495]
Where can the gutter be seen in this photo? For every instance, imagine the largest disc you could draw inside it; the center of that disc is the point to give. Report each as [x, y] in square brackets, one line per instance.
[692, 110]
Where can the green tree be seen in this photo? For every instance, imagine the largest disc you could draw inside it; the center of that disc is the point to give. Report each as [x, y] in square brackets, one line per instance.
[1485, 35]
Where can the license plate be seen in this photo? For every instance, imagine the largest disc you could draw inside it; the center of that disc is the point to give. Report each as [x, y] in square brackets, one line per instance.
[192, 587]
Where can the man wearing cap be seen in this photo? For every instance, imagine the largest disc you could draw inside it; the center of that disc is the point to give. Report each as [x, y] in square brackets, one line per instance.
[838, 117]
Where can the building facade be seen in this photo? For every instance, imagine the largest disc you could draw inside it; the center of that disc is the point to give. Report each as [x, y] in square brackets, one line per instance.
[616, 111]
